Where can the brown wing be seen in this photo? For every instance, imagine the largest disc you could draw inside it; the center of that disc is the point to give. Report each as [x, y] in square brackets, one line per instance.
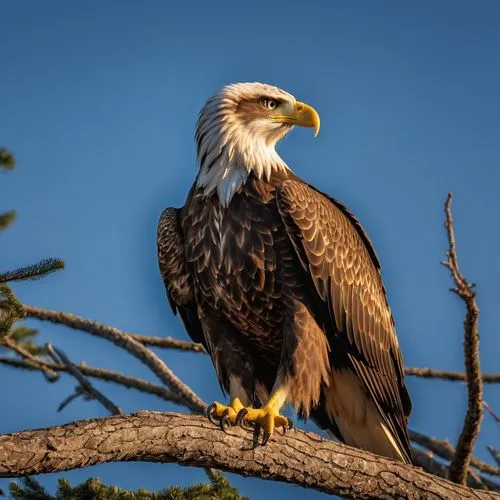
[345, 277]
[175, 273]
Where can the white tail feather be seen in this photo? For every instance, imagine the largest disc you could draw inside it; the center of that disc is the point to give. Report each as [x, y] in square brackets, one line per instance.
[357, 418]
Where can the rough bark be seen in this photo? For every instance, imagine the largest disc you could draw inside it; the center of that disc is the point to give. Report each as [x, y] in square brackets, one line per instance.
[301, 458]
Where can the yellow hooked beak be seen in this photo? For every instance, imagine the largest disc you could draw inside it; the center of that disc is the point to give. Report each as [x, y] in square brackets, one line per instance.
[303, 115]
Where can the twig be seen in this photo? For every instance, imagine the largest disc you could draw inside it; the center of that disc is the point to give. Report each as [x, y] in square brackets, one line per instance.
[474, 415]
[493, 415]
[147, 340]
[125, 341]
[444, 449]
[494, 453]
[8, 343]
[168, 343]
[488, 378]
[84, 383]
[103, 374]
[74, 395]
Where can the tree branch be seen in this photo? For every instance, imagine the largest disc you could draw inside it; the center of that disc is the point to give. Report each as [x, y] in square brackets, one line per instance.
[186, 345]
[493, 415]
[8, 343]
[125, 341]
[474, 415]
[86, 386]
[300, 458]
[488, 378]
[102, 374]
[147, 340]
[426, 460]
[444, 449]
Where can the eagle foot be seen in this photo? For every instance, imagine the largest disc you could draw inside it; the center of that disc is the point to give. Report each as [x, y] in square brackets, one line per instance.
[266, 419]
[222, 415]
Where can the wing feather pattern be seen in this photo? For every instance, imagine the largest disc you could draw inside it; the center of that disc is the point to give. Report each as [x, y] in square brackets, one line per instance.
[345, 273]
[175, 274]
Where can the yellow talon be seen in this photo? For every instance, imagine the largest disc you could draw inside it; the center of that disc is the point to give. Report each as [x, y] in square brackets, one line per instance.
[268, 418]
[226, 414]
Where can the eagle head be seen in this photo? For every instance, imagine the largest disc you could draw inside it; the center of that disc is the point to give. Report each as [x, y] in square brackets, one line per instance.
[237, 132]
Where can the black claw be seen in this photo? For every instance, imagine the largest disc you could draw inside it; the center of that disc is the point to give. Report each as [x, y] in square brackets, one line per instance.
[240, 417]
[256, 435]
[265, 438]
[224, 422]
[210, 414]
[288, 427]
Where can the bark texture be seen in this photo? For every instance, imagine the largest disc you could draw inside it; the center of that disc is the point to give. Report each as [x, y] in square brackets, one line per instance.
[301, 458]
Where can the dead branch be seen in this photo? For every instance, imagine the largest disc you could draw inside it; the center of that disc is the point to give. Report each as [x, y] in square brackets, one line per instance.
[301, 458]
[85, 385]
[103, 374]
[493, 415]
[8, 343]
[426, 460]
[186, 345]
[494, 453]
[147, 340]
[474, 415]
[488, 378]
[444, 449]
[125, 341]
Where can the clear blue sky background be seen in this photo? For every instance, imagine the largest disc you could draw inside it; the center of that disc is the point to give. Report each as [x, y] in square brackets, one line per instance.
[98, 100]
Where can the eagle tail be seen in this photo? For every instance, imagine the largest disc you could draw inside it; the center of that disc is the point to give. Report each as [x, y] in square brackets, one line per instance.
[349, 414]
[374, 436]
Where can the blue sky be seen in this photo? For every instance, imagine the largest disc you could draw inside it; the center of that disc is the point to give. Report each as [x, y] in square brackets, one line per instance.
[99, 102]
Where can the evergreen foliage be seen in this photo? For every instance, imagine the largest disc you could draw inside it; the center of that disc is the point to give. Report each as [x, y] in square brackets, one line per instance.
[6, 219]
[10, 309]
[7, 160]
[218, 488]
[33, 272]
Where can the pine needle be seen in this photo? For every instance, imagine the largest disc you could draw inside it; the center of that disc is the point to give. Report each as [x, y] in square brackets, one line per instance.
[33, 272]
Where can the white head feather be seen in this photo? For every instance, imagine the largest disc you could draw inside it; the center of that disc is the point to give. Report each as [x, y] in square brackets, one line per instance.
[232, 144]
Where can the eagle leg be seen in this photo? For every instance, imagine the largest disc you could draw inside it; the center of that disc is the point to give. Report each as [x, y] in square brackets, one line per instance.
[222, 415]
[268, 418]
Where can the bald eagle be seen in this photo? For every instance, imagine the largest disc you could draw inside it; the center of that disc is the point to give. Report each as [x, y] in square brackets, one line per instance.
[281, 283]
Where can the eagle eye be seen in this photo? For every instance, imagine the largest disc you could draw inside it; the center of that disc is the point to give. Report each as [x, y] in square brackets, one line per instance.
[269, 103]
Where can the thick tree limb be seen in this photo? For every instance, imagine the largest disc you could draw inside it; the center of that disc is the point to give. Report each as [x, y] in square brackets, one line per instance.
[474, 415]
[442, 449]
[300, 458]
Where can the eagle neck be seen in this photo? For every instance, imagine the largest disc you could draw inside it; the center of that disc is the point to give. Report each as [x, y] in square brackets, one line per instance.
[226, 168]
